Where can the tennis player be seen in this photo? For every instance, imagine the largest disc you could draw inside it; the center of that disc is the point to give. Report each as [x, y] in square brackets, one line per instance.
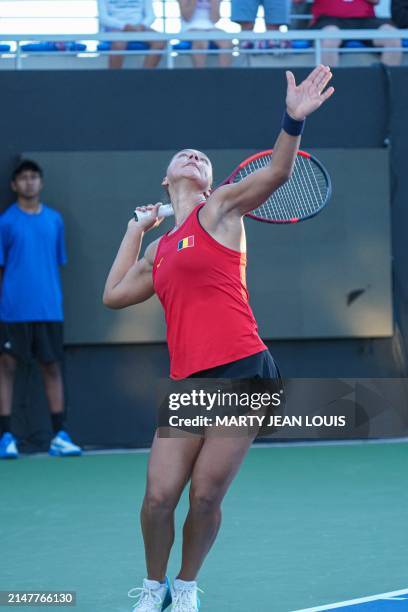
[198, 272]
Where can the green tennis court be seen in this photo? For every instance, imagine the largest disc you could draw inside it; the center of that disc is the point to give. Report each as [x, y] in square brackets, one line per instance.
[302, 526]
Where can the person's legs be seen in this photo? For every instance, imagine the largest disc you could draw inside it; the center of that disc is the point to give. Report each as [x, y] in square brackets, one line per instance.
[216, 465]
[277, 13]
[48, 350]
[116, 61]
[16, 343]
[246, 26]
[171, 462]
[151, 61]
[390, 58]
[8, 366]
[8, 445]
[54, 387]
[199, 60]
[244, 13]
[330, 48]
[225, 59]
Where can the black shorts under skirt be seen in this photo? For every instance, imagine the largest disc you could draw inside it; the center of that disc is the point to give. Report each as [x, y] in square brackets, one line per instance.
[240, 388]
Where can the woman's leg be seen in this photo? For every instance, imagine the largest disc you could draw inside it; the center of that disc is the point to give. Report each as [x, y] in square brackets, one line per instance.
[215, 467]
[151, 61]
[200, 59]
[170, 466]
[390, 58]
[116, 61]
[225, 59]
[330, 48]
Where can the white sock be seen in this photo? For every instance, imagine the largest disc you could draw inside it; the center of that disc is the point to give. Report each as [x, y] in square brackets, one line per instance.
[185, 584]
[153, 584]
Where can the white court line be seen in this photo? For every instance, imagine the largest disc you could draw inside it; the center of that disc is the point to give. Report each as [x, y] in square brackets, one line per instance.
[350, 602]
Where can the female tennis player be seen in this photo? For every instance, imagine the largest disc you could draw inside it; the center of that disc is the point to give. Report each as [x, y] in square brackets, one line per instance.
[198, 272]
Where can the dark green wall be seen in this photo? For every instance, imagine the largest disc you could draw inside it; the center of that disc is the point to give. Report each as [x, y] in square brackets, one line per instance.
[214, 109]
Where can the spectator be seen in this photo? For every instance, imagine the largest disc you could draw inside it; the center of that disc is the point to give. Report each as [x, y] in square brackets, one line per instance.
[276, 14]
[332, 15]
[128, 16]
[399, 11]
[31, 250]
[202, 15]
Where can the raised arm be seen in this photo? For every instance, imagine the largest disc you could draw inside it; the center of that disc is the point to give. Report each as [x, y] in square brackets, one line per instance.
[302, 100]
[130, 278]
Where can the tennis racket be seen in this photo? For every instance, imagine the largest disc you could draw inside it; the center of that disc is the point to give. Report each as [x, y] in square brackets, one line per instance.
[302, 197]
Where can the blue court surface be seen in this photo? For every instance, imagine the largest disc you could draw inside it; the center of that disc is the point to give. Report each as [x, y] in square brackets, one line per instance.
[395, 601]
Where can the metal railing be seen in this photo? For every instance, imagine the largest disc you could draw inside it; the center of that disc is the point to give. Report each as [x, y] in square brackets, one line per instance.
[315, 36]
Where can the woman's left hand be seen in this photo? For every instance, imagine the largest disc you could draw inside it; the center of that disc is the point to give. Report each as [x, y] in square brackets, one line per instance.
[304, 99]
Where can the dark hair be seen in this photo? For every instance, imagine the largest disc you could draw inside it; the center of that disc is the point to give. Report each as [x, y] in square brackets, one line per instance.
[24, 165]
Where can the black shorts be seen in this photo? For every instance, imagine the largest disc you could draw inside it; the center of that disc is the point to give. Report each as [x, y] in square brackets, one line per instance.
[41, 340]
[260, 365]
[237, 387]
[352, 23]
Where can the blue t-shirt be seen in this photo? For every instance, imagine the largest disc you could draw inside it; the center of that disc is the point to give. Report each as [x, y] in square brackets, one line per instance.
[31, 250]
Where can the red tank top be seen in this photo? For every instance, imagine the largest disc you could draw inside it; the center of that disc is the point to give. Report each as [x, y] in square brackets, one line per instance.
[202, 287]
[342, 8]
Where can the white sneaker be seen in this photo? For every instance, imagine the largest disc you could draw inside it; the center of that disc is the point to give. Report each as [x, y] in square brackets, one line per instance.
[62, 446]
[185, 596]
[152, 596]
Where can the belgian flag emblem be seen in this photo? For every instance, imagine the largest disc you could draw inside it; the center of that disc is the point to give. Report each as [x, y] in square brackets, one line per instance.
[184, 243]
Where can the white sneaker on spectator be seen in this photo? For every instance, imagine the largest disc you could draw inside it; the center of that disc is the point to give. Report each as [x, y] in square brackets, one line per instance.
[185, 596]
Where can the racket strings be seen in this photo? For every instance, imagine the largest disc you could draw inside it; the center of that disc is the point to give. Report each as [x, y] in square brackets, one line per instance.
[300, 197]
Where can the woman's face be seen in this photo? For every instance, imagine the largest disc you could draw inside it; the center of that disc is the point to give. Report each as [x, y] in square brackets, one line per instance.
[193, 165]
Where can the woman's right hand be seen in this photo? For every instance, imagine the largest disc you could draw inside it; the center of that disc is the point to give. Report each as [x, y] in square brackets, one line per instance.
[147, 222]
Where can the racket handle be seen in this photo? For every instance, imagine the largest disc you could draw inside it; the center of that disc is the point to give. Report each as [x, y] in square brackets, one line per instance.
[165, 210]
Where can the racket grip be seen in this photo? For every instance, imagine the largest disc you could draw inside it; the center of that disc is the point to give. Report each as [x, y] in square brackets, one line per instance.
[165, 210]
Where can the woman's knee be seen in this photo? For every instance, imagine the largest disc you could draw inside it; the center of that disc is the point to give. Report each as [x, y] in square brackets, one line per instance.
[205, 500]
[331, 43]
[159, 500]
[394, 43]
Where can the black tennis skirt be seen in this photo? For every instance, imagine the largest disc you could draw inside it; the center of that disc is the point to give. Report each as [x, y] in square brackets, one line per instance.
[233, 399]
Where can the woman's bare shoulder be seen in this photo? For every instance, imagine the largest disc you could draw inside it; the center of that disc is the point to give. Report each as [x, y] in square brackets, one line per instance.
[151, 250]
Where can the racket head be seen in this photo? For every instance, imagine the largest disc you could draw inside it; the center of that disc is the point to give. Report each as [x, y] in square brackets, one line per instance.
[302, 197]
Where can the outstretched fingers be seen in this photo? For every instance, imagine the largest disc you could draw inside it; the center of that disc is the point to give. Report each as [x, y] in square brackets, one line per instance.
[316, 75]
[323, 79]
[291, 79]
[313, 75]
[326, 94]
